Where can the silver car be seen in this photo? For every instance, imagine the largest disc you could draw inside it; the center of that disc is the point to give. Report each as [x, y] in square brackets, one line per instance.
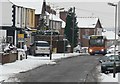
[40, 47]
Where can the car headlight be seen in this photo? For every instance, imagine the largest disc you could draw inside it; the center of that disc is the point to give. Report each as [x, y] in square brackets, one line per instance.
[90, 50]
[103, 65]
[102, 49]
[117, 64]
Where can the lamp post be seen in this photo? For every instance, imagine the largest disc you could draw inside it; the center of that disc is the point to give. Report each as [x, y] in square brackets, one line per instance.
[115, 5]
[73, 29]
[52, 19]
[51, 35]
[64, 44]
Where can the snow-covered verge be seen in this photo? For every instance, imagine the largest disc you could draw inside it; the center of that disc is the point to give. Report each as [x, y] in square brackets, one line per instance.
[8, 70]
[108, 77]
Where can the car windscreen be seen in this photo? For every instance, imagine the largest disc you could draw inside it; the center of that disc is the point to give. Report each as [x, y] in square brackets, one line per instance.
[42, 44]
[96, 42]
[114, 58]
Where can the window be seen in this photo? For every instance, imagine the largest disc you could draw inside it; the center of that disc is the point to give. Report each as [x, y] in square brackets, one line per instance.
[10, 39]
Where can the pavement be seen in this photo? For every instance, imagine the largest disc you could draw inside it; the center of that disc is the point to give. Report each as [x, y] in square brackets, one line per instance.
[8, 70]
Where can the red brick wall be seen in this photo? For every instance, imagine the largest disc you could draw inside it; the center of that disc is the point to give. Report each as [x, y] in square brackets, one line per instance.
[63, 15]
[37, 16]
[85, 32]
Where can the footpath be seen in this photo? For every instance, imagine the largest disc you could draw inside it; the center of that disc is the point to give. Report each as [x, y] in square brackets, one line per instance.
[8, 70]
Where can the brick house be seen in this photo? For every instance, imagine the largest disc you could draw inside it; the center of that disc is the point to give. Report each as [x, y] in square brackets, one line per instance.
[88, 26]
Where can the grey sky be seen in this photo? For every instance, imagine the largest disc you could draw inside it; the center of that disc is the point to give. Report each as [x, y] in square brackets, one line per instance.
[93, 9]
[84, 8]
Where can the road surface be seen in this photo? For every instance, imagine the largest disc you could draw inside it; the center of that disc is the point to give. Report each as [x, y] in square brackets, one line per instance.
[74, 69]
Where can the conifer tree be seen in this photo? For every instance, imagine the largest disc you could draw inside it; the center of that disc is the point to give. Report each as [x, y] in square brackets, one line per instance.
[71, 28]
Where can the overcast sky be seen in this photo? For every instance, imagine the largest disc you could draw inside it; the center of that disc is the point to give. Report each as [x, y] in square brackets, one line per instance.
[84, 8]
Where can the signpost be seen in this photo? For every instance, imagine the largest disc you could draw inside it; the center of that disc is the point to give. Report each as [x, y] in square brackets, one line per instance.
[20, 39]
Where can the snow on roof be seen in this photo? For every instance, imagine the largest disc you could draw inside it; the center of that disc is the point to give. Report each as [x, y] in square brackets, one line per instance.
[63, 24]
[34, 4]
[110, 35]
[47, 13]
[54, 17]
[87, 22]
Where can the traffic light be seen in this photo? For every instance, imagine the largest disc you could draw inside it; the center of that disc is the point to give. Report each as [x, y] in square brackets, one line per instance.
[13, 15]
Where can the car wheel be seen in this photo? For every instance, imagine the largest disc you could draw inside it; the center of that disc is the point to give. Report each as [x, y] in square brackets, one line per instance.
[92, 54]
[104, 54]
[103, 71]
[77, 51]
[48, 55]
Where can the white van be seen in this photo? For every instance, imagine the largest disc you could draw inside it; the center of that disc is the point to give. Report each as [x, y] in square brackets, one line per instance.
[40, 47]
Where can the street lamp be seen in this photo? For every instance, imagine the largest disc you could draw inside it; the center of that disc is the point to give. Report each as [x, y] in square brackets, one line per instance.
[64, 44]
[51, 35]
[52, 19]
[115, 5]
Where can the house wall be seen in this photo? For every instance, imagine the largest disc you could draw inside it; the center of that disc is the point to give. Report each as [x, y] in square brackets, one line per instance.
[98, 28]
[24, 17]
[31, 18]
[6, 13]
[55, 25]
[63, 15]
[18, 17]
[61, 31]
[119, 26]
[119, 16]
[37, 16]
[84, 35]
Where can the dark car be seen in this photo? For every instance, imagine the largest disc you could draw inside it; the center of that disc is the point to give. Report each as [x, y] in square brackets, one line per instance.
[107, 63]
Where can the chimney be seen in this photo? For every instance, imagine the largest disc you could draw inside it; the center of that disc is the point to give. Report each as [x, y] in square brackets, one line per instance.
[63, 15]
[43, 7]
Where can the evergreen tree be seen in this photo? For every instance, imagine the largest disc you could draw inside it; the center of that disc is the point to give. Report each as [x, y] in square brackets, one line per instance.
[71, 28]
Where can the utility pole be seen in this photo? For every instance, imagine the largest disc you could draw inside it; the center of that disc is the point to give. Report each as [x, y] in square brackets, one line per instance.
[73, 29]
[114, 66]
[51, 37]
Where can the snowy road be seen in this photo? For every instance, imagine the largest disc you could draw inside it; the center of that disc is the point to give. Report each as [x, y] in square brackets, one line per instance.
[8, 71]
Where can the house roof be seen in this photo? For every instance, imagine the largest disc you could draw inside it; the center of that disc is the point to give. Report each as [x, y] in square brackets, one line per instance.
[54, 17]
[37, 4]
[87, 22]
[110, 35]
[63, 24]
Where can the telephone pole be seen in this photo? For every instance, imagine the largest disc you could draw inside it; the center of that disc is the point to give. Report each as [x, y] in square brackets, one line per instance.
[73, 28]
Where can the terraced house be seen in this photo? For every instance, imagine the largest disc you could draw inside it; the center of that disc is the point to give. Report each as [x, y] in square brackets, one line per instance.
[15, 20]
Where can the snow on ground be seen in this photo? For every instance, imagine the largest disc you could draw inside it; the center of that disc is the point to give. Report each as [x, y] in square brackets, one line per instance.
[8, 70]
[108, 77]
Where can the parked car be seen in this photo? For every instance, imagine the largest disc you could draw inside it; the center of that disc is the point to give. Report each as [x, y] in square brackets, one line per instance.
[107, 63]
[78, 49]
[40, 47]
[111, 49]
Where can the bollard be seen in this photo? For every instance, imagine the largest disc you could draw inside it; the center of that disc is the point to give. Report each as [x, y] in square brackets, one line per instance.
[20, 57]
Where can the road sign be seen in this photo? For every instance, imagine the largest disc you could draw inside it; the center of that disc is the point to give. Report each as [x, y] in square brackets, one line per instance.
[20, 37]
